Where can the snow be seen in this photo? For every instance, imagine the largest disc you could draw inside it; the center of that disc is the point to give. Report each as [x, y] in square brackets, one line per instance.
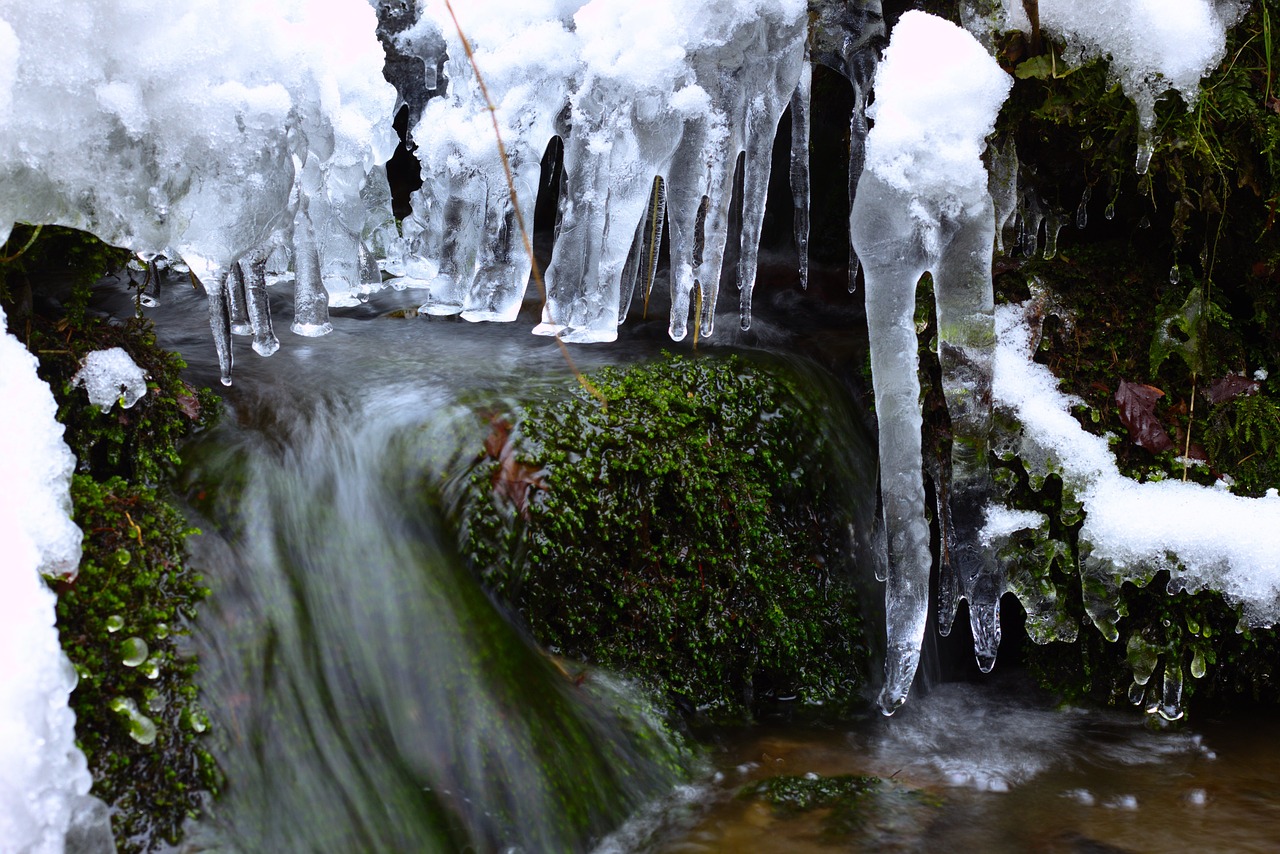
[1153, 45]
[43, 776]
[1206, 537]
[110, 377]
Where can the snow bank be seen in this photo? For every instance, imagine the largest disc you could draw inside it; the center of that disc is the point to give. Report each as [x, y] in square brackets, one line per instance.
[1205, 537]
[43, 776]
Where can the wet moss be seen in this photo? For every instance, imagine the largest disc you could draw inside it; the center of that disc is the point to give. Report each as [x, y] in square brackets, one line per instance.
[852, 808]
[687, 533]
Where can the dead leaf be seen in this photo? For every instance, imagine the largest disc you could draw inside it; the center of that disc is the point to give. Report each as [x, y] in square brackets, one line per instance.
[1138, 413]
[512, 479]
[1232, 385]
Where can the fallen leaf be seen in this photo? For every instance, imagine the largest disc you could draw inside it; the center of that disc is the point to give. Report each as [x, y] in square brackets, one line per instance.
[1232, 385]
[1138, 413]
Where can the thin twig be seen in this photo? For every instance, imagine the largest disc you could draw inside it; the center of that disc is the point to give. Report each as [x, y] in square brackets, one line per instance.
[30, 240]
[515, 202]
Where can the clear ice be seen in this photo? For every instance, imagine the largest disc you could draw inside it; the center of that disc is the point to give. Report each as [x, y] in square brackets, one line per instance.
[923, 206]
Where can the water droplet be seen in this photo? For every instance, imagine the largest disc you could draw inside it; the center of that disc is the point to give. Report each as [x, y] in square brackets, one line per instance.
[1197, 666]
[1175, 275]
[161, 631]
[141, 728]
[198, 720]
[1086, 143]
[1145, 222]
[133, 652]
[115, 623]
[1110, 212]
[122, 557]
[150, 669]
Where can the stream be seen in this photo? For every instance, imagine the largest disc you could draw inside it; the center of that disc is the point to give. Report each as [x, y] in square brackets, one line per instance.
[366, 695]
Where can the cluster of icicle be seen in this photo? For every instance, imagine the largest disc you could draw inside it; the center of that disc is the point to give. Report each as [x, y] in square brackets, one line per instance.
[255, 145]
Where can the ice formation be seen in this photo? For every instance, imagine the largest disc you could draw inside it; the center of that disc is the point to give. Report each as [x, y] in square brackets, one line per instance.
[1153, 45]
[192, 140]
[923, 206]
[1206, 538]
[110, 377]
[43, 775]
[654, 104]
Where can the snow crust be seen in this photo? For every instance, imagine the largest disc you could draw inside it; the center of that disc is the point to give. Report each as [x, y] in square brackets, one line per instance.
[110, 377]
[43, 776]
[1207, 538]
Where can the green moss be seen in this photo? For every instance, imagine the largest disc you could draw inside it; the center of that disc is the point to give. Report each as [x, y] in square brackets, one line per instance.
[134, 598]
[684, 534]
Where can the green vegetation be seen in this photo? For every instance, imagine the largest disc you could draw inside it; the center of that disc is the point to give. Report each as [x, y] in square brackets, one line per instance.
[123, 618]
[685, 534]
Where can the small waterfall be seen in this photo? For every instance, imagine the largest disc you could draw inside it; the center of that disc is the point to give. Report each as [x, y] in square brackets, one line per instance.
[367, 694]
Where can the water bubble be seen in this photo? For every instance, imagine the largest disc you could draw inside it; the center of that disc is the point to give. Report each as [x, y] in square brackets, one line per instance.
[133, 652]
[115, 623]
[1197, 797]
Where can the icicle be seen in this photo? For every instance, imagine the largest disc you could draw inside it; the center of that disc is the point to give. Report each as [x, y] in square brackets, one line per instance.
[254, 268]
[905, 221]
[800, 165]
[215, 286]
[310, 300]
[1002, 183]
[503, 267]
[764, 111]
[1142, 658]
[236, 300]
[1171, 693]
[654, 219]
[1052, 227]
[149, 297]
[1082, 210]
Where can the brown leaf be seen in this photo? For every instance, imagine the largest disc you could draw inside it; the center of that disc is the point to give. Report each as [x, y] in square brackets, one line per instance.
[498, 442]
[1232, 385]
[188, 403]
[1138, 413]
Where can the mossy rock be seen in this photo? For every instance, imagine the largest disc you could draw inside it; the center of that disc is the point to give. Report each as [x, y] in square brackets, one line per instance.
[677, 521]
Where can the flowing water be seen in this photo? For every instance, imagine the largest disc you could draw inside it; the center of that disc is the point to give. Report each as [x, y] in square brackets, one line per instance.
[367, 696]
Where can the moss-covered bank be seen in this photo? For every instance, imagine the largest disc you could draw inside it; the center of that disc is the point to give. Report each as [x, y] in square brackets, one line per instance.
[124, 617]
[680, 521]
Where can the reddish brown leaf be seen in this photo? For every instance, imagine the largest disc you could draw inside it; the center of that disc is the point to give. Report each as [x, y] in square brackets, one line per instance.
[1232, 385]
[1138, 413]
[498, 442]
[188, 404]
